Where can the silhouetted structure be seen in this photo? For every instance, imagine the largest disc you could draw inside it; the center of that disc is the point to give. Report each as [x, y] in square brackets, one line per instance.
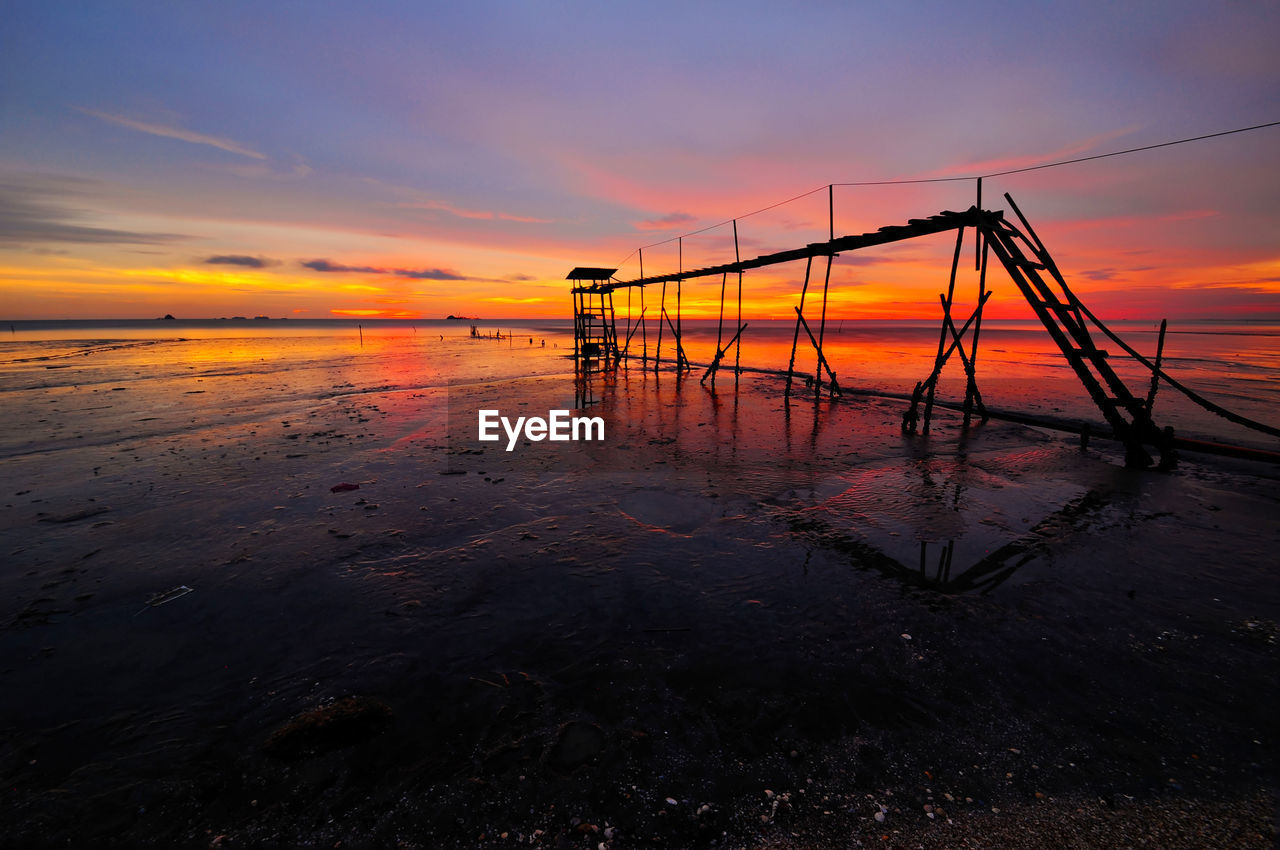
[1024, 257]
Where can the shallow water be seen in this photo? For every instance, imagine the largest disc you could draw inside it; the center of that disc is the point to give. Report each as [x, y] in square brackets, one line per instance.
[727, 579]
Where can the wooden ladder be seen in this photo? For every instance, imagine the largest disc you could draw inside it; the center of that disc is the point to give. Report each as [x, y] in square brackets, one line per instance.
[596, 335]
[1036, 275]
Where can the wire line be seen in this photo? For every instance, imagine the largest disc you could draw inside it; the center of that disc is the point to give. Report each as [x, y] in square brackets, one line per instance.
[961, 178]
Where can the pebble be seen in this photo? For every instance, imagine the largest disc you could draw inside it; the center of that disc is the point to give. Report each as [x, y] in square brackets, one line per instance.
[879, 817]
[906, 636]
[671, 802]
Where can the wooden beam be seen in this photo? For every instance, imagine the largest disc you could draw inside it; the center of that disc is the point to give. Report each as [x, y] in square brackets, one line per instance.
[822, 361]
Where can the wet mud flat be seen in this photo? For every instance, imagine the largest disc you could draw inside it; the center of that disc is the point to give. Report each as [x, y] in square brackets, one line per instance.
[735, 622]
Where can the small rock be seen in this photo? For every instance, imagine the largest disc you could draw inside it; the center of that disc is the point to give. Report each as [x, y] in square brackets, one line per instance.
[879, 817]
[906, 636]
[671, 802]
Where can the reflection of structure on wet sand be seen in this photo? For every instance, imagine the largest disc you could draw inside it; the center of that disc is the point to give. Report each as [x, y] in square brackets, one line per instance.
[936, 569]
[1027, 261]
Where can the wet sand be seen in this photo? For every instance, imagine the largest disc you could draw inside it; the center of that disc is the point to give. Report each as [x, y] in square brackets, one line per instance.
[713, 629]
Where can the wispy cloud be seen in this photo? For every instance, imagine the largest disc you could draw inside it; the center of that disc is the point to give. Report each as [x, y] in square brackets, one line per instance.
[1071, 150]
[427, 274]
[240, 260]
[179, 133]
[480, 215]
[326, 266]
[24, 219]
[666, 222]
[414, 274]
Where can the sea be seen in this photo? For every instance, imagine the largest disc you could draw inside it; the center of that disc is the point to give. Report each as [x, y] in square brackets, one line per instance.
[1018, 367]
[257, 590]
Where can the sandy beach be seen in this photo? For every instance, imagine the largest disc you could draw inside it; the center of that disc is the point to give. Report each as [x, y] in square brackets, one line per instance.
[292, 601]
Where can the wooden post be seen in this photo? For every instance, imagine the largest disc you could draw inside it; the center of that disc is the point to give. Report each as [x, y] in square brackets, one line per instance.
[612, 330]
[680, 358]
[977, 245]
[715, 362]
[971, 386]
[644, 329]
[822, 323]
[958, 345]
[831, 212]
[737, 351]
[942, 337]
[1155, 374]
[908, 421]
[662, 309]
[681, 362]
[632, 332]
[795, 338]
[822, 360]
[724, 279]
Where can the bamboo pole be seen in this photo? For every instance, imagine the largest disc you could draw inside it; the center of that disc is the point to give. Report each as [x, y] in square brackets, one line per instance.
[942, 336]
[720, 353]
[681, 360]
[644, 329]
[1155, 374]
[822, 323]
[737, 351]
[971, 387]
[795, 338]
[822, 360]
[662, 309]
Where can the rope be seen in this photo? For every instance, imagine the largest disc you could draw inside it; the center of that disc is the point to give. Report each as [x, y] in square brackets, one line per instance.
[1187, 391]
[958, 179]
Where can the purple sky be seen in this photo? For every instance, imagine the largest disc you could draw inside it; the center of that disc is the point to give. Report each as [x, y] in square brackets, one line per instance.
[461, 157]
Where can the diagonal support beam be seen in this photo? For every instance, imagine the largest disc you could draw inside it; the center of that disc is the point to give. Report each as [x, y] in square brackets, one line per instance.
[632, 333]
[720, 353]
[682, 362]
[822, 360]
[958, 345]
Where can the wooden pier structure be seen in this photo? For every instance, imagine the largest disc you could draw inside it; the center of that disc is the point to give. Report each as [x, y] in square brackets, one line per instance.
[1025, 259]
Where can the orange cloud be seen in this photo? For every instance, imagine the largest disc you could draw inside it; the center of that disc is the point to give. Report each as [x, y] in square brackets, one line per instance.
[358, 313]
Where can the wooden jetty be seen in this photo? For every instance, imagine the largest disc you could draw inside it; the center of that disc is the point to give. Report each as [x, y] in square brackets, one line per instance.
[1025, 259]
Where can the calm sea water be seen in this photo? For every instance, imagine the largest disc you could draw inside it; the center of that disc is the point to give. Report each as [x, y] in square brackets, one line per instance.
[1236, 365]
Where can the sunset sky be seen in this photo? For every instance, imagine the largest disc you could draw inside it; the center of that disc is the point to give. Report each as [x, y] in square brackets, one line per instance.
[415, 159]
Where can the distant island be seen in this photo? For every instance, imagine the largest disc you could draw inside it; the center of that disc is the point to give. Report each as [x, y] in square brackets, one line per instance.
[452, 318]
[167, 317]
